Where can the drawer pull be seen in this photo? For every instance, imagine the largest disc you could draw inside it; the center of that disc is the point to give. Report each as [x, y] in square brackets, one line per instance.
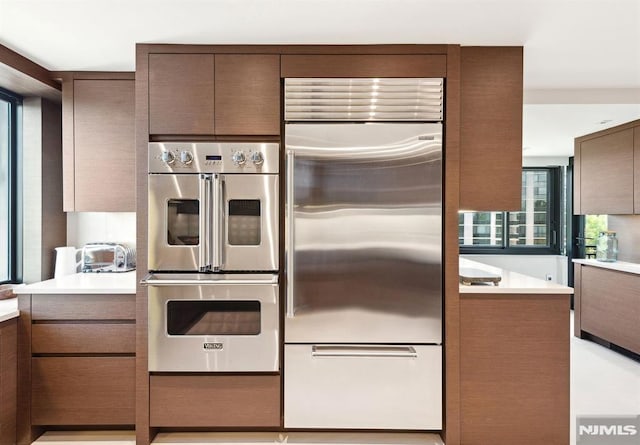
[364, 351]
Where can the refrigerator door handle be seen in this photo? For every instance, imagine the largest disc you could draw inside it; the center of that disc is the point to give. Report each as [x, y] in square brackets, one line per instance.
[204, 251]
[290, 235]
[364, 351]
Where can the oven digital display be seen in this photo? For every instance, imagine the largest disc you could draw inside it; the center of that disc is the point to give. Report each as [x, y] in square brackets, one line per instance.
[213, 158]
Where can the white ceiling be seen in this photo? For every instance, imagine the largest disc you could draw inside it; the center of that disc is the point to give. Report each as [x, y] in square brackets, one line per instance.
[569, 44]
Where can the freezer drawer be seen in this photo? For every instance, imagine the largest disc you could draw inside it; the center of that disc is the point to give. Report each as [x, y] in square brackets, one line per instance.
[357, 386]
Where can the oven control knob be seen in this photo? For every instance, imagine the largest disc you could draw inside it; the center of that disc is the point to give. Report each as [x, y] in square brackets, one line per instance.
[238, 158]
[186, 157]
[168, 157]
[257, 158]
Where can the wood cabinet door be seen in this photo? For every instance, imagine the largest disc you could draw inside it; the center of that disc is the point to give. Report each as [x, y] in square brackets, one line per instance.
[247, 94]
[104, 145]
[491, 128]
[606, 174]
[83, 390]
[8, 380]
[181, 94]
[636, 170]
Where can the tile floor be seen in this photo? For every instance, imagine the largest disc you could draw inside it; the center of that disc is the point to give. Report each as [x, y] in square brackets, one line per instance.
[603, 382]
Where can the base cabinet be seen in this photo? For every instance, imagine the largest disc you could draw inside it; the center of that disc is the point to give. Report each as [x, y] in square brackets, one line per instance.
[212, 401]
[514, 369]
[8, 381]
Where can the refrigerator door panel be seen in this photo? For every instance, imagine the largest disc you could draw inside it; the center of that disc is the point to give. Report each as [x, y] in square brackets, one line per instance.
[358, 386]
[364, 228]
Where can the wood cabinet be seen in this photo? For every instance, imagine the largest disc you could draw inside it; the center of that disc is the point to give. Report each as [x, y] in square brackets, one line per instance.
[8, 381]
[215, 400]
[207, 94]
[607, 305]
[607, 171]
[98, 142]
[491, 128]
[514, 369]
[80, 353]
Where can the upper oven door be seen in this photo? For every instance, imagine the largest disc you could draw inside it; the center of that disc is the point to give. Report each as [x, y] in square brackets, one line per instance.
[176, 235]
[248, 223]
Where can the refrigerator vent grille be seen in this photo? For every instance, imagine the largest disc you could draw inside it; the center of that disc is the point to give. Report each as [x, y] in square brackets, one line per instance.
[368, 100]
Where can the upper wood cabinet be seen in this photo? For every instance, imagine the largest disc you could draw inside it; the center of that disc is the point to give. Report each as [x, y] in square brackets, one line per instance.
[206, 94]
[607, 171]
[491, 128]
[98, 142]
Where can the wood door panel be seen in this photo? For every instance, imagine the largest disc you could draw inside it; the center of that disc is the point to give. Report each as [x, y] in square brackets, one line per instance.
[514, 367]
[8, 380]
[83, 391]
[247, 94]
[636, 170]
[83, 307]
[83, 338]
[103, 113]
[215, 400]
[358, 65]
[491, 128]
[606, 174]
[181, 94]
[610, 306]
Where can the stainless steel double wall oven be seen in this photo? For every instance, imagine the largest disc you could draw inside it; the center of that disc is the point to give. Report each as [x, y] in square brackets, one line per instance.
[213, 257]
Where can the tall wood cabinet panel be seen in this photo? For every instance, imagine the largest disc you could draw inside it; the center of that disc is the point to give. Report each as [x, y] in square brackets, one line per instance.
[99, 143]
[636, 170]
[514, 369]
[181, 89]
[247, 94]
[8, 381]
[491, 128]
[606, 174]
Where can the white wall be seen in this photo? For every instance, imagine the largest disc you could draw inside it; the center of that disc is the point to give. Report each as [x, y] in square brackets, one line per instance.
[87, 227]
[538, 266]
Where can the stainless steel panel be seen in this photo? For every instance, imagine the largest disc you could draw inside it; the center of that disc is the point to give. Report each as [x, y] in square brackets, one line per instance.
[367, 388]
[364, 99]
[199, 152]
[364, 233]
[233, 353]
[162, 255]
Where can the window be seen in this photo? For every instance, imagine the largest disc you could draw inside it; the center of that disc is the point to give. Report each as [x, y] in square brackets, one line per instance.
[8, 186]
[534, 229]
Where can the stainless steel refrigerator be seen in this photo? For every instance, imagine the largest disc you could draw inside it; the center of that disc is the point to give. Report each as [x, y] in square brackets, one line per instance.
[363, 324]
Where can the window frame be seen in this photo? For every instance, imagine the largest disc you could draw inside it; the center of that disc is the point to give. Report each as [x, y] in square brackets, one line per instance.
[554, 198]
[14, 241]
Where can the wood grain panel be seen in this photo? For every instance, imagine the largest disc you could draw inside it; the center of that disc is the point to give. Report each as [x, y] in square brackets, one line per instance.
[83, 307]
[26, 66]
[451, 287]
[577, 296]
[83, 338]
[609, 306]
[68, 149]
[514, 369]
[83, 391]
[606, 174]
[577, 178]
[247, 94]
[215, 400]
[636, 170]
[8, 381]
[391, 49]
[360, 65]
[181, 94]
[104, 145]
[491, 128]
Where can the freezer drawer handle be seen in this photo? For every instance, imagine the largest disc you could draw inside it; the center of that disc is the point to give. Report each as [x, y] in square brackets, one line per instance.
[155, 282]
[364, 351]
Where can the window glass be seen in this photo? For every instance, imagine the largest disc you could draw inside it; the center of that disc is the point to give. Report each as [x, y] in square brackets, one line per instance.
[5, 144]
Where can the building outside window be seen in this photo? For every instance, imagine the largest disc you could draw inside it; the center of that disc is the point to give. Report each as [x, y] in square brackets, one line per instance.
[533, 229]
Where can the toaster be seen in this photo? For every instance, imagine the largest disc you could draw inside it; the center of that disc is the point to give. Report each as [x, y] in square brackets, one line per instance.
[108, 257]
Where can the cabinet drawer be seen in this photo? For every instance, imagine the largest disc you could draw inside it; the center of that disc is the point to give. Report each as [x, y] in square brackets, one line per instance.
[215, 401]
[83, 391]
[364, 387]
[83, 307]
[76, 338]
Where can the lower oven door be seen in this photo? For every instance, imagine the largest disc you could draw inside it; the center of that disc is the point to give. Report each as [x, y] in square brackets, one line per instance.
[224, 324]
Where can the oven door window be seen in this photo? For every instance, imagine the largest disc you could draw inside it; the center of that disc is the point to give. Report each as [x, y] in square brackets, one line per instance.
[213, 317]
[183, 222]
[244, 222]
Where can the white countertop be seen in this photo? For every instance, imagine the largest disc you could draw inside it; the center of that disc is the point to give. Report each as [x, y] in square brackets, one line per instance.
[8, 309]
[511, 283]
[84, 283]
[620, 266]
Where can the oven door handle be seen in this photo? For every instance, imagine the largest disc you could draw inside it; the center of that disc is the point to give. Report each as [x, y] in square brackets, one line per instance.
[217, 217]
[204, 252]
[290, 234]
